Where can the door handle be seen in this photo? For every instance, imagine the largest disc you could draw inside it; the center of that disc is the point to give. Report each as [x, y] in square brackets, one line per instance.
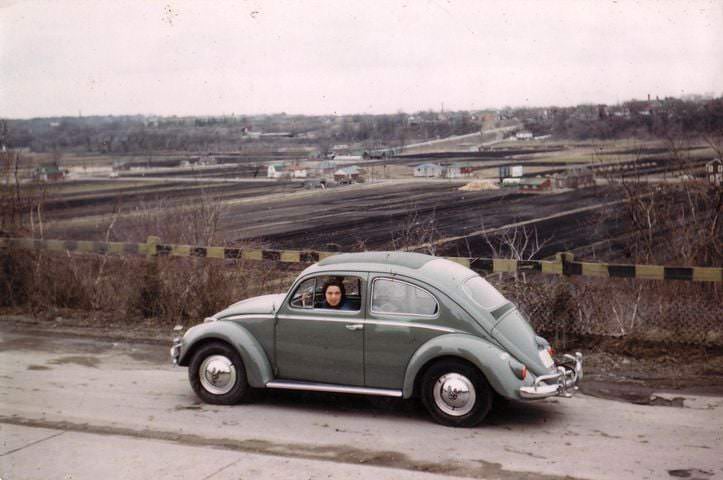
[355, 326]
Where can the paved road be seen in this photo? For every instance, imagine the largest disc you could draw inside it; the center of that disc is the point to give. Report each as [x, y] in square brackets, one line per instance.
[82, 408]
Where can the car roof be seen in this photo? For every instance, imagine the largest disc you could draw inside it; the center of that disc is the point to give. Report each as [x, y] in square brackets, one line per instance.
[435, 271]
[441, 273]
[400, 259]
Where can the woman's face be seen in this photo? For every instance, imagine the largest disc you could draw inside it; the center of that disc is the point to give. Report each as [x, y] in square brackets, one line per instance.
[333, 295]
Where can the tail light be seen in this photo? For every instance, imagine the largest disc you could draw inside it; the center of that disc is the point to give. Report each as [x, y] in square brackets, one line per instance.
[518, 369]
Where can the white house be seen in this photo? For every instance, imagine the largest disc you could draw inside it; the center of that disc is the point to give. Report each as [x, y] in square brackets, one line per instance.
[428, 170]
[524, 135]
[277, 170]
[458, 170]
[300, 172]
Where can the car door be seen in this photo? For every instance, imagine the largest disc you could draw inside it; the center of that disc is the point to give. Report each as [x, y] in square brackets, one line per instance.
[321, 345]
[401, 316]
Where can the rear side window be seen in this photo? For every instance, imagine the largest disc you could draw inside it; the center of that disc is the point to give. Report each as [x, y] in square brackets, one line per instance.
[402, 298]
[484, 294]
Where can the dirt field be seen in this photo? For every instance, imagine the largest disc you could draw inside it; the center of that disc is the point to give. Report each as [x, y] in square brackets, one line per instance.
[362, 216]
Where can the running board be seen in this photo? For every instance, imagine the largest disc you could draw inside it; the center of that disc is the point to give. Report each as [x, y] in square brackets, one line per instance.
[326, 387]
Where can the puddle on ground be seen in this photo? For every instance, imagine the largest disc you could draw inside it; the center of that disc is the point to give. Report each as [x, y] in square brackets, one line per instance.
[334, 453]
[38, 367]
[52, 345]
[85, 361]
[626, 392]
[150, 355]
[691, 473]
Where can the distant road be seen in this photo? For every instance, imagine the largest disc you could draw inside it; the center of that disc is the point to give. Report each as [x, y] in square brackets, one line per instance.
[460, 137]
[184, 179]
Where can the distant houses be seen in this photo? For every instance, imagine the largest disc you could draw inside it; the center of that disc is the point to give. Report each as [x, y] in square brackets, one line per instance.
[431, 170]
[350, 174]
[535, 184]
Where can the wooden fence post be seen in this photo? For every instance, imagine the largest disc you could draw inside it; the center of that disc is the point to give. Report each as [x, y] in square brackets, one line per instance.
[151, 288]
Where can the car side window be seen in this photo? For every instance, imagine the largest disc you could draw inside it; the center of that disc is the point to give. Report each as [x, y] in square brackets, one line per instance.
[402, 298]
[311, 293]
[303, 297]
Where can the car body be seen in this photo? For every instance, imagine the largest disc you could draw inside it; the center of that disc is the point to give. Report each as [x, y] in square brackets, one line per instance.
[418, 326]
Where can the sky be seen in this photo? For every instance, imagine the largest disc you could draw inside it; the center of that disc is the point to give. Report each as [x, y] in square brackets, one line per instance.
[241, 57]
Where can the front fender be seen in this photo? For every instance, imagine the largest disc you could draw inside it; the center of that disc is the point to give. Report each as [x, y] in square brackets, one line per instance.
[492, 361]
[256, 363]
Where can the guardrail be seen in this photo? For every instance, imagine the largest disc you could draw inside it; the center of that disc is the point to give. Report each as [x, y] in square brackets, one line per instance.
[564, 263]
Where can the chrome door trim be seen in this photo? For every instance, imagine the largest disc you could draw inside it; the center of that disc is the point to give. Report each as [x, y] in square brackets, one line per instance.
[315, 318]
[359, 321]
[240, 316]
[411, 325]
[326, 387]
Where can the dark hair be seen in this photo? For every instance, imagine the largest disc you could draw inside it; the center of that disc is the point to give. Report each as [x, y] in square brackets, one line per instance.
[334, 282]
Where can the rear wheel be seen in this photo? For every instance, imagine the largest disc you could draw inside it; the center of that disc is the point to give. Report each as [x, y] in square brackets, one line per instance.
[217, 374]
[456, 393]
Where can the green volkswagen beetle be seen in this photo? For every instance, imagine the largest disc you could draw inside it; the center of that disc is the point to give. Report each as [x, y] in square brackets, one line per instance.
[379, 323]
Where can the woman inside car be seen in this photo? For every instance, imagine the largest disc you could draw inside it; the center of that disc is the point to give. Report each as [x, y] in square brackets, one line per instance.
[335, 295]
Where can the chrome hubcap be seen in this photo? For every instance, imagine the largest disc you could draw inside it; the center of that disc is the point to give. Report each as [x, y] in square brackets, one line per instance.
[454, 394]
[217, 374]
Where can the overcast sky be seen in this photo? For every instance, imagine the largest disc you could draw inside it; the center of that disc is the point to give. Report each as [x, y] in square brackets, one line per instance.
[62, 57]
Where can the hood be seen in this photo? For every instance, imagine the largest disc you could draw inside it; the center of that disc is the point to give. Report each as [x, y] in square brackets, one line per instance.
[519, 339]
[263, 304]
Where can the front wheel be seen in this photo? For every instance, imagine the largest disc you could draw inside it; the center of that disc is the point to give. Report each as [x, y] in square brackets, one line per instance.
[456, 394]
[217, 374]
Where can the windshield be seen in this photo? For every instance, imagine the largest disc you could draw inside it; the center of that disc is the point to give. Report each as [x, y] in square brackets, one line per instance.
[484, 294]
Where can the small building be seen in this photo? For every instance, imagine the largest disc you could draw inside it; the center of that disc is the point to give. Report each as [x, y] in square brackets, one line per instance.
[428, 170]
[458, 170]
[523, 135]
[209, 160]
[299, 172]
[49, 173]
[277, 170]
[350, 174]
[714, 172]
[535, 184]
[121, 164]
[510, 171]
[575, 178]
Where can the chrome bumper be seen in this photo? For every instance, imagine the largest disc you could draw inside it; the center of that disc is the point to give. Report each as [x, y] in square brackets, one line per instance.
[176, 346]
[561, 383]
[176, 351]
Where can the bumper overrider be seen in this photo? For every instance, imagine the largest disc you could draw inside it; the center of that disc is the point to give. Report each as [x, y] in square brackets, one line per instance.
[561, 383]
[176, 346]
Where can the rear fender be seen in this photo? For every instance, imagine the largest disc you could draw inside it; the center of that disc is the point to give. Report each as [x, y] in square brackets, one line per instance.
[256, 363]
[489, 359]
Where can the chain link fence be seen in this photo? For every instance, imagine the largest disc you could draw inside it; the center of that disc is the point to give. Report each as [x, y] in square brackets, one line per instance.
[648, 310]
[186, 289]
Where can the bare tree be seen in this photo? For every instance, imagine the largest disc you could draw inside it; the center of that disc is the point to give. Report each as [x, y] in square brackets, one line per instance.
[417, 229]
